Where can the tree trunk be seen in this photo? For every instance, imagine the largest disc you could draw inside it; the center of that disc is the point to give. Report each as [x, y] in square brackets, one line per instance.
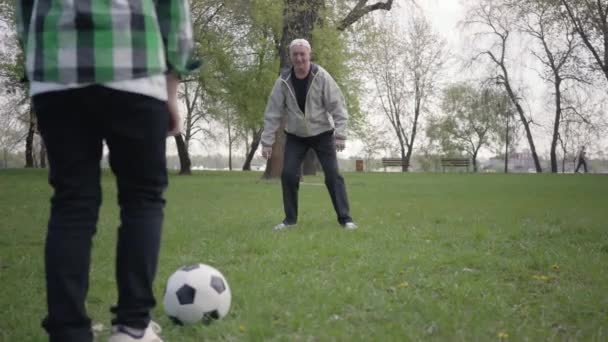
[410, 146]
[274, 165]
[42, 154]
[310, 164]
[524, 121]
[507, 146]
[475, 161]
[29, 142]
[404, 157]
[230, 156]
[558, 112]
[408, 157]
[184, 158]
[257, 135]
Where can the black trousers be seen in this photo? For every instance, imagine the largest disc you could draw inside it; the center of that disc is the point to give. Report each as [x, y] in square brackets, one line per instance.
[583, 163]
[295, 151]
[74, 124]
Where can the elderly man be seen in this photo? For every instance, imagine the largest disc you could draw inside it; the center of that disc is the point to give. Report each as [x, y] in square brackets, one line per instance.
[311, 102]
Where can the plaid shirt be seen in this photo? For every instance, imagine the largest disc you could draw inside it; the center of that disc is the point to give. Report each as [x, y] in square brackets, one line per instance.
[99, 41]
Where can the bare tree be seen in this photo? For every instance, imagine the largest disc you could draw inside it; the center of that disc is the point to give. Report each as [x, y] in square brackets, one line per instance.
[558, 45]
[590, 21]
[233, 133]
[498, 20]
[192, 95]
[581, 123]
[405, 67]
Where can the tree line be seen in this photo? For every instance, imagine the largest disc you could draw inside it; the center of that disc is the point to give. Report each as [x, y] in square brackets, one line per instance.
[393, 67]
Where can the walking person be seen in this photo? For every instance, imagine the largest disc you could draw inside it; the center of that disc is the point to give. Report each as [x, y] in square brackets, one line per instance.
[582, 159]
[314, 108]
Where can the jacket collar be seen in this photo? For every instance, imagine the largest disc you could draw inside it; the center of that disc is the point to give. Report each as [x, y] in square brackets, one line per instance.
[287, 73]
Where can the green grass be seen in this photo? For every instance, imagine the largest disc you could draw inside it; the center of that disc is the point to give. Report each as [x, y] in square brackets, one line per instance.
[445, 257]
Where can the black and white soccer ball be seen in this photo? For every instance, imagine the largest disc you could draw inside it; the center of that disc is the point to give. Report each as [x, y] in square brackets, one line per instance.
[197, 293]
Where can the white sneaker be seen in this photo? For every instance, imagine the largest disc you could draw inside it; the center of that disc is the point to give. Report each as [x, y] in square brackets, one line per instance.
[121, 333]
[282, 226]
[350, 226]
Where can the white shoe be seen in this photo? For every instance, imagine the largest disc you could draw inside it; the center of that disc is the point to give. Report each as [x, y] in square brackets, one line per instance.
[350, 226]
[121, 333]
[282, 226]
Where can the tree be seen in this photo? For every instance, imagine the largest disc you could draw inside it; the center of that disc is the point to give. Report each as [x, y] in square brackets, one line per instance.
[558, 45]
[196, 102]
[229, 120]
[505, 143]
[590, 21]
[12, 69]
[404, 67]
[470, 121]
[300, 18]
[241, 62]
[581, 124]
[498, 23]
[12, 128]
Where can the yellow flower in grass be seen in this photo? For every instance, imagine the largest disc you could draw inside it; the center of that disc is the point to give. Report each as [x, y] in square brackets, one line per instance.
[503, 335]
[541, 277]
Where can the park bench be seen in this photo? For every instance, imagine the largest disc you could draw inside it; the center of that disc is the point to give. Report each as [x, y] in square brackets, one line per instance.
[393, 162]
[455, 162]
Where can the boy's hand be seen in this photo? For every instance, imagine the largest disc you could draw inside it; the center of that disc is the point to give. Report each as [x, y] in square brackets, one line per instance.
[175, 121]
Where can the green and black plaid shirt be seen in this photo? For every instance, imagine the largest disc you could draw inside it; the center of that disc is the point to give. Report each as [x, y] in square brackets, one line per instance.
[99, 41]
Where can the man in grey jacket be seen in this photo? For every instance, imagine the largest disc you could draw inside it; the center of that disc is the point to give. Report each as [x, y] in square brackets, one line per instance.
[312, 104]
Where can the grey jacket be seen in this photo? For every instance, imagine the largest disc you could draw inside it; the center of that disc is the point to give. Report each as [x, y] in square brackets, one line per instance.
[325, 107]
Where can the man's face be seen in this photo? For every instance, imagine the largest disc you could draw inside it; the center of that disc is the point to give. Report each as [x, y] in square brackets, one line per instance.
[300, 57]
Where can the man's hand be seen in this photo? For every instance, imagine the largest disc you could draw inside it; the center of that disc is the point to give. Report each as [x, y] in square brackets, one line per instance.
[340, 144]
[266, 152]
[175, 120]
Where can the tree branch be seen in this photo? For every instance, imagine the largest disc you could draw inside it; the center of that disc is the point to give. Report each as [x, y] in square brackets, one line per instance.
[360, 10]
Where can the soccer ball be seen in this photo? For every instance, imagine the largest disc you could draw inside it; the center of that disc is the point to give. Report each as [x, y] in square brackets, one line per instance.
[196, 293]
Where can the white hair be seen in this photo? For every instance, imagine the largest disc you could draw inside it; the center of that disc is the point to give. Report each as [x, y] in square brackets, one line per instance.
[299, 42]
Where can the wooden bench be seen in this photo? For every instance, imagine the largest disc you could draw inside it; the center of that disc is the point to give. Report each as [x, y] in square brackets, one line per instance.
[457, 162]
[394, 162]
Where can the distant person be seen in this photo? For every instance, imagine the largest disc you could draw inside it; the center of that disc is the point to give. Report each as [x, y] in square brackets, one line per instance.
[309, 99]
[104, 71]
[582, 159]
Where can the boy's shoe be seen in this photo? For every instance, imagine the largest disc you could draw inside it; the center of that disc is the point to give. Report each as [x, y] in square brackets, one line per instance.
[350, 226]
[282, 226]
[122, 333]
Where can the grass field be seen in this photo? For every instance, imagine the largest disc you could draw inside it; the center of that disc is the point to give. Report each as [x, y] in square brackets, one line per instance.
[445, 257]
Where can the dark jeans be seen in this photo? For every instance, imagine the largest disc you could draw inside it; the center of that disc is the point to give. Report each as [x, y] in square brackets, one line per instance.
[583, 163]
[74, 124]
[295, 151]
